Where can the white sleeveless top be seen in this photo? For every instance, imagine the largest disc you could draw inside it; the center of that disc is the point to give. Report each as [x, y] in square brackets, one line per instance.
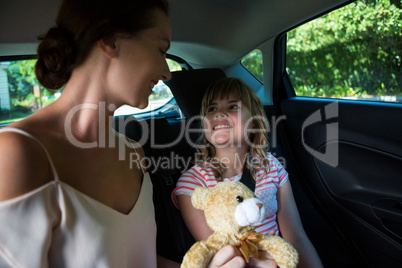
[56, 225]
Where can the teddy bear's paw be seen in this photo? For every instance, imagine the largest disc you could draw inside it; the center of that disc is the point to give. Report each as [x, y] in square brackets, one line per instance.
[284, 254]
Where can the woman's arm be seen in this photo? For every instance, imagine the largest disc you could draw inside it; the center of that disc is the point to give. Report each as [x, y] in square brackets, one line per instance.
[24, 168]
[292, 230]
[23, 164]
[193, 218]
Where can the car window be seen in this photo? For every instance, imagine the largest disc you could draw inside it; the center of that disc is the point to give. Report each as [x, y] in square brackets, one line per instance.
[253, 63]
[22, 95]
[351, 53]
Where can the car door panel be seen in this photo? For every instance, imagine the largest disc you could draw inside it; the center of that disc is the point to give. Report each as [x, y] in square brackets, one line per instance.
[350, 156]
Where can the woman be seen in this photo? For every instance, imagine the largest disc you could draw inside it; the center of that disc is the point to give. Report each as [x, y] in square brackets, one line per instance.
[68, 195]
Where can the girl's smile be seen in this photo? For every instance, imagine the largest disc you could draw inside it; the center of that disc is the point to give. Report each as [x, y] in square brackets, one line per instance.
[221, 126]
[225, 123]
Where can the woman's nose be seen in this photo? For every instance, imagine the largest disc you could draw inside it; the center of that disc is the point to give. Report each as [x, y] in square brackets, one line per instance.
[166, 74]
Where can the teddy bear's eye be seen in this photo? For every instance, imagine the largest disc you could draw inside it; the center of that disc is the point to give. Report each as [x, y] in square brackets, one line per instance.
[239, 198]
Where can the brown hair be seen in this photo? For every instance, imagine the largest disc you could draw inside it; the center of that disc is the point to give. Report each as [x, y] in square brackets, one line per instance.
[79, 25]
[257, 157]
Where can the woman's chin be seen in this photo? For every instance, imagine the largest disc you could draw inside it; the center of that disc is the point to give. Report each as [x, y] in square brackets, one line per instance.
[142, 105]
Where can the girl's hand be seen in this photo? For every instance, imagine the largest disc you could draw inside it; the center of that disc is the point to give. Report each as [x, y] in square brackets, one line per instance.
[227, 257]
[230, 256]
[267, 263]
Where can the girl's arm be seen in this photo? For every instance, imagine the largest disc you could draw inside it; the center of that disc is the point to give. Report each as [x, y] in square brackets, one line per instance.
[193, 218]
[291, 227]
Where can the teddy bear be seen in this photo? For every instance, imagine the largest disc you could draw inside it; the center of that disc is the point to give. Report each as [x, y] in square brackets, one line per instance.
[232, 211]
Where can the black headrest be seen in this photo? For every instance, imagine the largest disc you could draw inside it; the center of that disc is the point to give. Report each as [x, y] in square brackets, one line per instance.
[188, 88]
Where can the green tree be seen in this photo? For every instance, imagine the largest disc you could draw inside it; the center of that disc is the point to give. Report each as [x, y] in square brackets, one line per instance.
[353, 51]
[253, 63]
[21, 79]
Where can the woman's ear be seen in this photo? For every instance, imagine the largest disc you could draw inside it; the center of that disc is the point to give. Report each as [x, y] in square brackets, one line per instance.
[108, 46]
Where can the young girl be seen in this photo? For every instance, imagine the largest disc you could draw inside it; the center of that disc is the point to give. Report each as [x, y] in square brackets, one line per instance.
[235, 132]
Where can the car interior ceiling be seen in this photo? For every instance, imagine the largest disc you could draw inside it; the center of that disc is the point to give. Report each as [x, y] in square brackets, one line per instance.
[21, 37]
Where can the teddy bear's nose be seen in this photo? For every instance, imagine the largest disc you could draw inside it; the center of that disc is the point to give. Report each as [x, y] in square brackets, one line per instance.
[259, 205]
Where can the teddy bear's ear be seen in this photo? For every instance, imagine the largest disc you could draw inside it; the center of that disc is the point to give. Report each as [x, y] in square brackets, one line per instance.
[199, 197]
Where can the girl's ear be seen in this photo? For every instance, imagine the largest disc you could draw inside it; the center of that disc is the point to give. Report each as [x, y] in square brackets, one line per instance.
[108, 46]
[253, 128]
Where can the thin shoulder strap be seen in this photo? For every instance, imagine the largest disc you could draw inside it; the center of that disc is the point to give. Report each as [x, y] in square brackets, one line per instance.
[133, 145]
[17, 130]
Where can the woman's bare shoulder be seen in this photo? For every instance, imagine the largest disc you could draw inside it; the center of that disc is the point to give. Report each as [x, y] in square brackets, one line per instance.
[23, 165]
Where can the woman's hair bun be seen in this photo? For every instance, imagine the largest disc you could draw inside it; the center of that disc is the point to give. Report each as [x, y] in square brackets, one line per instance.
[56, 57]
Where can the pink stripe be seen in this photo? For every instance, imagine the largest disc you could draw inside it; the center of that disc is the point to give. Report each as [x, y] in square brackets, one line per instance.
[197, 172]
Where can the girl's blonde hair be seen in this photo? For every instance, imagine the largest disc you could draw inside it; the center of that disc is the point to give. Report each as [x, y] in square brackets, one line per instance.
[257, 155]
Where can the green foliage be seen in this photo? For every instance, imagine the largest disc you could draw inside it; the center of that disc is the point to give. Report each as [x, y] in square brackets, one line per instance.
[351, 52]
[173, 65]
[21, 79]
[253, 63]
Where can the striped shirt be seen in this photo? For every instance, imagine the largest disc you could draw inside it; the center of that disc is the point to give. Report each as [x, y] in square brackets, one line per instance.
[265, 189]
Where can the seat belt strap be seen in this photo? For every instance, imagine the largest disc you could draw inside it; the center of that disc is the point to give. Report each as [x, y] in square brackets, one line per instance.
[247, 179]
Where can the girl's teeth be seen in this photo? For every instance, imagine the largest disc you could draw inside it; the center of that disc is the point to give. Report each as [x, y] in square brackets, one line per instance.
[221, 126]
